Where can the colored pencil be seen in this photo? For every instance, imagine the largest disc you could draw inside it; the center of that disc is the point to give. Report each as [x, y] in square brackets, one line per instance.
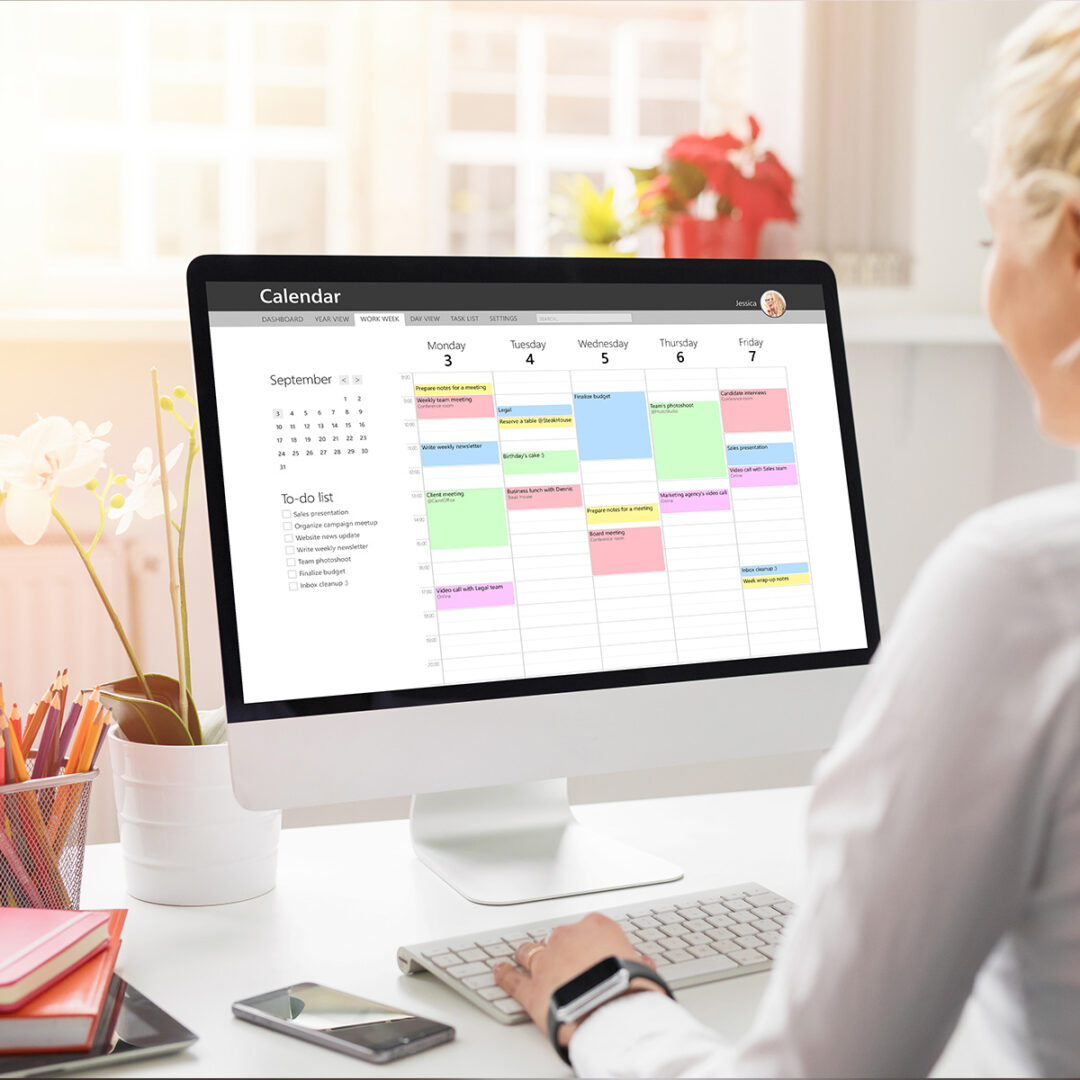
[101, 741]
[16, 721]
[68, 731]
[48, 735]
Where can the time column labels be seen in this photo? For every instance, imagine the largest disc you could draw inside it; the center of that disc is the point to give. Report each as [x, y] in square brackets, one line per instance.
[469, 538]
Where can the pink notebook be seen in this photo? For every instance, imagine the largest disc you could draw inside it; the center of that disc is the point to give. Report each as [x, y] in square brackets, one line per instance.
[38, 947]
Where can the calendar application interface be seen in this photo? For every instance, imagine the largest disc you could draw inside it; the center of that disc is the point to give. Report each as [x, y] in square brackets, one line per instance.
[450, 484]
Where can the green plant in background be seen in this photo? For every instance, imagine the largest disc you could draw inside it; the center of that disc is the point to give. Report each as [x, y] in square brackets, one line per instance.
[51, 454]
[589, 215]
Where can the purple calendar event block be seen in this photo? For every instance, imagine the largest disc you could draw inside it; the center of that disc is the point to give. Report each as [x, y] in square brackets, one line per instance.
[762, 475]
[685, 502]
[492, 594]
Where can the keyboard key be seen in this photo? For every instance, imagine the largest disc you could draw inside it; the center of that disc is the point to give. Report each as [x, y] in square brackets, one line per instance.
[781, 919]
[742, 916]
[765, 912]
[508, 1005]
[650, 935]
[479, 982]
[701, 951]
[493, 993]
[713, 909]
[461, 970]
[445, 960]
[499, 948]
[720, 920]
[736, 905]
[725, 947]
[490, 939]
[646, 922]
[695, 969]
[697, 926]
[763, 898]
[770, 937]
[765, 924]
[472, 955]
[768, 950]
[720, 935]
[746, 957]
[785, 907]
[517, 942]
[676, 956]
[651, 948]
[695, 939]
[670, 943]
[668, 918]
[691, 913]
[748, 941]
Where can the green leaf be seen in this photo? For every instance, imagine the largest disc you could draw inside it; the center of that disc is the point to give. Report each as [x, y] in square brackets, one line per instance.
[156, 719]
[643, 176]
[687, 180]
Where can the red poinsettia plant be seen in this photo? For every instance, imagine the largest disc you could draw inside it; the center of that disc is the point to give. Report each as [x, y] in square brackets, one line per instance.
[746, 182]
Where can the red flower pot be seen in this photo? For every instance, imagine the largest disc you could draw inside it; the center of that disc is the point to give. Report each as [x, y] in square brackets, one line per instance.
[687, 237]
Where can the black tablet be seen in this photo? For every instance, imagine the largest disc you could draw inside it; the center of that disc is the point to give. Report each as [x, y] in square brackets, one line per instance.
[132, 1027]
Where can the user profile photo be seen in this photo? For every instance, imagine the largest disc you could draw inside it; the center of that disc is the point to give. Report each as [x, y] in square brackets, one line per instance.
[773, 303]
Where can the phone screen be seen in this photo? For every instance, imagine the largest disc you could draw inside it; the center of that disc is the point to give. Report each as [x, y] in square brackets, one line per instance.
[344, 1016]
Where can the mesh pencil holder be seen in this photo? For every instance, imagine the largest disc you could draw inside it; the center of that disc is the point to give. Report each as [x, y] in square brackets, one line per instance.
[43, 840]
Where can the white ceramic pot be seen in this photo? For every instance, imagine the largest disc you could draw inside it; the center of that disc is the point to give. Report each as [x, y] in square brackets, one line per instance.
[183, 836]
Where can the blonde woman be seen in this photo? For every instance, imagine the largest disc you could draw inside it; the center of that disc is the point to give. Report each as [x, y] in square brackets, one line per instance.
[944, 833]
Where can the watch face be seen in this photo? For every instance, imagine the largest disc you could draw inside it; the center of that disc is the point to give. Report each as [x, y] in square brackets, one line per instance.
[585, 982]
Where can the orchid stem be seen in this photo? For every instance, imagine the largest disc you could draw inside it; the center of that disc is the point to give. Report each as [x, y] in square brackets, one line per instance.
[192, 451]
[105, 600]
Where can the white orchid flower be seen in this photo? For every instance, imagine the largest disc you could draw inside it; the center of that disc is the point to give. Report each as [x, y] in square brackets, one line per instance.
[49, 454]
[144, 489]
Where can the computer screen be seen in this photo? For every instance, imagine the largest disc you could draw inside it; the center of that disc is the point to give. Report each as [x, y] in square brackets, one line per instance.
[447, 490]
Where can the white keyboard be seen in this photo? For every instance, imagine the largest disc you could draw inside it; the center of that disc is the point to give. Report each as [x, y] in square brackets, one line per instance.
[696, 938]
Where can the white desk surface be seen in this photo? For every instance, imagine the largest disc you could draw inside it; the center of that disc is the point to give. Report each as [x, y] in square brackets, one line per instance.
[349, 895]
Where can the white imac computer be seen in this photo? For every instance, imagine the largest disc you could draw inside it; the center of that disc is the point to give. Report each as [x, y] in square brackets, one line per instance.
[482, 524]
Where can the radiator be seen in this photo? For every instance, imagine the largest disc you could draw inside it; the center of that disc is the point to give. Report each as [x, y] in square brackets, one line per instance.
[52, 617]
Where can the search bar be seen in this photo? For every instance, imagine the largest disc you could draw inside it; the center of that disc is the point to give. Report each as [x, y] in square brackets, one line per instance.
[583, 317]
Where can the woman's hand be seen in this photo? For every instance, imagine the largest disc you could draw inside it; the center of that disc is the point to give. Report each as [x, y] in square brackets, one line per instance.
[569, 951]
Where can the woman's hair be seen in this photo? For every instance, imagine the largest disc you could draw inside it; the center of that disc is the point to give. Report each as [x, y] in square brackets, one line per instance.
[1035, 107]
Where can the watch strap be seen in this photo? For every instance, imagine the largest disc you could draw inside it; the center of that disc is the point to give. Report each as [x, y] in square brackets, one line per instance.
[634, 969]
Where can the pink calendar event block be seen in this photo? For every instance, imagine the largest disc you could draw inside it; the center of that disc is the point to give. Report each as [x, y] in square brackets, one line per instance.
[464, 407]
[755, 410]
[489, 594]
[742, 476]
[685, 502]
[546, 497]
[626, 551]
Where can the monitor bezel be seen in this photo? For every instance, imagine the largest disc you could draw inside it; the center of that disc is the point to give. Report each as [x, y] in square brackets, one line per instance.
[328, 269]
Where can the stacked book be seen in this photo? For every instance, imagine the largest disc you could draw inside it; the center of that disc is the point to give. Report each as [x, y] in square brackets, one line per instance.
[57, 990]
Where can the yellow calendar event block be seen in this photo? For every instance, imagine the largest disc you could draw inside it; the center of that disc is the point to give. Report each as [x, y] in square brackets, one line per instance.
[454, 388]
[775, 579]
[599, 515]
[536, 421]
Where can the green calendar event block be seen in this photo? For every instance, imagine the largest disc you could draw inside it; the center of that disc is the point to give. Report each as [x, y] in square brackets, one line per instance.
[688, 440]
[470, 518]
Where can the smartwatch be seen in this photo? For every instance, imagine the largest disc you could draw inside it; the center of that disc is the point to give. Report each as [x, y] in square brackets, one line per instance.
[582, 995]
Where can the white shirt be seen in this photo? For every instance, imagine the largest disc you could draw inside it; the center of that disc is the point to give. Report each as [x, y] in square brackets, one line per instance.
[944, 840]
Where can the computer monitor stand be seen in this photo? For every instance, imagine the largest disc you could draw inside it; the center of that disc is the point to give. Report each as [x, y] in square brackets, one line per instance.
[519, 842]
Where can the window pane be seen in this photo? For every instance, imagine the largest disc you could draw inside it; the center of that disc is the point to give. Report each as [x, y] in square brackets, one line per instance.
[482, 199]
[187, 103]
[578, 116]
[670, 59]
[81, 99]
[669, 118]
[290, 207]
[585, 55]
[187, 207]
[94, 34]
[183, 38]
[74, 182]
[473, 51]
[290, 43]
[292, 106]
[482, 112]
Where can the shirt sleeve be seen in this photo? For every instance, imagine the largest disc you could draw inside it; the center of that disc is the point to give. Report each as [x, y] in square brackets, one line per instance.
[924, 829]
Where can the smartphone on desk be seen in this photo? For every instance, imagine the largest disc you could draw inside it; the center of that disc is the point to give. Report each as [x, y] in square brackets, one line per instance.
[365, 1029]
